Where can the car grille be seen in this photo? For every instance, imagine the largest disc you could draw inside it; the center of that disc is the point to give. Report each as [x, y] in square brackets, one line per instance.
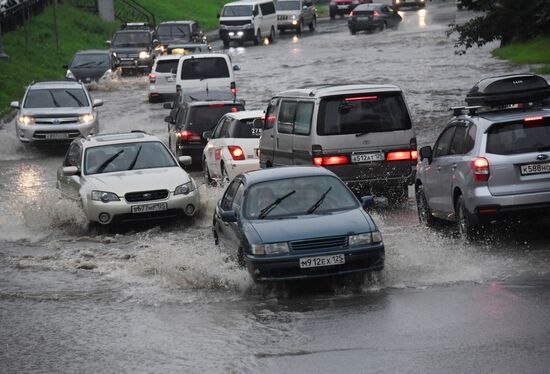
[282, 18]
[56, 121]
[127, 55]
[234, 23]
[146, 195]
[321, 243]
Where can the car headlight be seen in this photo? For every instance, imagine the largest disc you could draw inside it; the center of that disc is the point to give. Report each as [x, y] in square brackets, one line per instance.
[143, 55]
[85, 118]
[365, 239]
[69, 75]
[269, 249]
[25, 120]
[185, 188]
[114, 54]
[107, 74]
[104, 196]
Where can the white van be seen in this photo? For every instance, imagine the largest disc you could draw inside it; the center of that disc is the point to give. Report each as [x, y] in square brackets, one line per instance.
[248, 20]
[203, 72]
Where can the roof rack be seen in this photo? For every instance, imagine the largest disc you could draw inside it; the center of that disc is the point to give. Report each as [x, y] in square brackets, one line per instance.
[136, 26]
[459, 110]
[509, 89]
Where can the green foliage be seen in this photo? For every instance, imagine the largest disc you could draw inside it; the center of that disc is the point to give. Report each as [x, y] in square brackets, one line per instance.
[535, 51]
[503, 20]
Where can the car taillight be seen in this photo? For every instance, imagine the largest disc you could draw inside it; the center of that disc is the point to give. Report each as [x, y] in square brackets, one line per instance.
[351, 13]
[233, 87]
[414, 152]
[236, 152]
[361, 98]
[531, 119]
[480, 169]
[376, 14]
[234, 109]
[189, 136]
[152, 78]
[330, 160]
[402, 155]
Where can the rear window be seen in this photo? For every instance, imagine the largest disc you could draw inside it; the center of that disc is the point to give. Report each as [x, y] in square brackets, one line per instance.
[204, 68]
[205, 118]
[523, 137]
[244, 129]
[359, 114]
[167, 66]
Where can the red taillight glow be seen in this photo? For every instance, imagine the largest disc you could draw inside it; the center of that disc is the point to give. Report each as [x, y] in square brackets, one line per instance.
[351, 13]
[489, 210]
[152, 78]
[216, 104]
[414, 155]
[531, 119]
[376, 14]
[236, 152]
[361, 98]
[233, 87]
[330, 160]
[480, 168]
[401, 155]
[189, 136]
[234, 109]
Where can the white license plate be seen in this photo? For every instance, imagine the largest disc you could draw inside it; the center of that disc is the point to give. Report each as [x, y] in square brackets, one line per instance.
[367, 157]
[147, 208]
[342, 7]
[60, 135]
[313, 262]
[535, 168]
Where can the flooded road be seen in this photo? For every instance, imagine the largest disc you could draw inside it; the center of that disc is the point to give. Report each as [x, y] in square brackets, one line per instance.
[163, 299]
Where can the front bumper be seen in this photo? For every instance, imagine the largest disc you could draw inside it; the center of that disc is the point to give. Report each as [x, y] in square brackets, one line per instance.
[288, 24]
[237, 33]
[55, 133]
[121, 211]
[285, 268]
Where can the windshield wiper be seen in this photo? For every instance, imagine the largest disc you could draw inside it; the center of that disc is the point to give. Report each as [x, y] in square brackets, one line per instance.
[319, 202]
[75, 98]
[84, 64]
[108, 161]
[54, 100]
[265, 211]
[135, 159]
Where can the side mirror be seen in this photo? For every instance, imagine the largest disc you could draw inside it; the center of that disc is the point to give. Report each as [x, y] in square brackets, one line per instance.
[207, 135]
[108, 42]
[426, 153]
[168, 119]
[258, 123]
[367, 201]
[228, 215]
[236, 68]
[15, 104]
[70, 170]
[167, 105]
[66, 66]
[97, 102]
[185, 160]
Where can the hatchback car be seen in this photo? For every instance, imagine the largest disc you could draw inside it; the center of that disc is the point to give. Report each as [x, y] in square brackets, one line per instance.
[127, 177]
[56, 111]
[296, 223]
[162, 79]
[367, 17]
[491, 161]
[92, 65]
[232, 146]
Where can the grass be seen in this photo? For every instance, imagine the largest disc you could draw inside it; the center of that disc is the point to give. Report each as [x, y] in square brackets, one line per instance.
[536, 51]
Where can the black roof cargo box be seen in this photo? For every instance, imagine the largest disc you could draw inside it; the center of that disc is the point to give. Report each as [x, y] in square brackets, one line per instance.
[508, 89]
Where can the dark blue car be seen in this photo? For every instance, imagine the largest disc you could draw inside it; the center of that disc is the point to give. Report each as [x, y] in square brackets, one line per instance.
[297, 222]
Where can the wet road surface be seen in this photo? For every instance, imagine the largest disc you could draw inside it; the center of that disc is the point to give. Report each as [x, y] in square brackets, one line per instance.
[163, 299]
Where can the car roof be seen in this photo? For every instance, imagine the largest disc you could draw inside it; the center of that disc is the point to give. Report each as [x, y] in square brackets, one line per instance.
[271, 174]
[168, 57]
[148, 31]
[333, 90]
[206, 55]
[56, 84]
[507, 115]
[117, 138]
[189, 22]
[249, 2]
[243, 114]
[94, 51]
[369, 6]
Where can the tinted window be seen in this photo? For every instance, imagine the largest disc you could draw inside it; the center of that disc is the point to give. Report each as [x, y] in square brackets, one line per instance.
[204, 68]
[204, 118]
[90, 61]
[470, 140]
[457, 146]
[270, 114]
[227, 200]
[244, 129]
[444, 142]
[129, 156]
[56, 98]
[302, 121]
[369, 113]
[507, 139]
[286, 117]
[237, 11]
[288, 5]
[238, 199]
[181, 31]
[73, 156]
[132, 39]
[267, 8]
[167, 66]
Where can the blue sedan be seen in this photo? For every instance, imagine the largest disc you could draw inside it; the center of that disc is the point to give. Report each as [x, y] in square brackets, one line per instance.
[297, 222]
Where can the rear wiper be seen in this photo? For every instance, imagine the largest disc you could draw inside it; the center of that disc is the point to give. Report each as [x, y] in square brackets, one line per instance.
[265, 211]
[135, 159]
[108, 161]
[319, 202]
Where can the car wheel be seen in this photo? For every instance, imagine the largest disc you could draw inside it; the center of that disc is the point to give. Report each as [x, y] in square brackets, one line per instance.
[352, 31]
[225, 176]
[424, 213]
[272, 35]
[313, 24]
[465, 226]
[258, 39]
[383, 26]
[216, 238]
[398, 196]
[332, 15]
[207, 176]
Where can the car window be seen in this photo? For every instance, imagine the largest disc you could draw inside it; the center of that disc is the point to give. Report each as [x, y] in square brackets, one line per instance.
[516, 138]
[87, 60]
[224, 131]
[237, 11]
[285, 122]
[302, 120]
[227, 200]
[267, 8]
[443, 143]
[73, 156]
[470, 139]
[56, 98]
[270, 115]
[167, 66]
[216, 132]
[180, 118]
[288, 5]
[244, 129]
[204, 118]
[457, 145]
[204, 68]
[132, 39]
[238, 199]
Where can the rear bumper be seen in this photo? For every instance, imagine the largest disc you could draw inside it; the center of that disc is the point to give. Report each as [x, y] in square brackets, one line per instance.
[365, 25]
[489, 207]
[195, 151]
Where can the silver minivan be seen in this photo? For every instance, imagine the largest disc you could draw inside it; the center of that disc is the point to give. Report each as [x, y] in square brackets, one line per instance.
[363, 133]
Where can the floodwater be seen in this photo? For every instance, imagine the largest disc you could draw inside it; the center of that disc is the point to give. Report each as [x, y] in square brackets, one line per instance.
[163, 299]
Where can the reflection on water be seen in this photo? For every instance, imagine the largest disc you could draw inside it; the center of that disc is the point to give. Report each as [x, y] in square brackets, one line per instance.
[422, 17]
[295, 39]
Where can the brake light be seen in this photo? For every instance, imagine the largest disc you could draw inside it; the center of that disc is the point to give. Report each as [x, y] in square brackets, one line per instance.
[234, 109]
[361, 98]
[531, 119]
[480, 169]
[189, 136]
[152, 78]
[414, 155]
[376, 14]
[330, 160]
[216, 104]
[402, 155]
[233, 88]
[351, 13]
[236, 152]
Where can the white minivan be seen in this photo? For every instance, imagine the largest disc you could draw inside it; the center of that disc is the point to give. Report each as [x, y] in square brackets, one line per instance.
[203, 72]
[248, 20]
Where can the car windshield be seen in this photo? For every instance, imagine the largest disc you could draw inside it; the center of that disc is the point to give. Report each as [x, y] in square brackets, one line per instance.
[308, 193]
[204, 118]
[167, 66]
[237, 11]
[129, 156]
[179, 31]
[515, 138]
[92, 61]
[204, 68]
[132, 39]
[287, 5]
[361, 114]
[56, 98]
[244, 129]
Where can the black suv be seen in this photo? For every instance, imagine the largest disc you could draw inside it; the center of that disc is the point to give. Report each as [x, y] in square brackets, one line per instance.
[180, 32]
[135, 47]
[193, 116]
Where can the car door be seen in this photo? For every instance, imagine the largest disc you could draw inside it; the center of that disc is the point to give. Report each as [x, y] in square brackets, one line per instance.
[174, 130]
[225, 230]
[449, 168]
[220, 151]
[284, 133]
[267, 139]
[70, 185]
[301, 152]
[433, 188]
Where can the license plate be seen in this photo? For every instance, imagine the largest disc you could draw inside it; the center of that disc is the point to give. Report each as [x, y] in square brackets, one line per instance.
[535, 168]
[367, 157]
[359, 18]
[147, 208]
[313, 262]
[342, 7]
[59, 135]
[126, 59]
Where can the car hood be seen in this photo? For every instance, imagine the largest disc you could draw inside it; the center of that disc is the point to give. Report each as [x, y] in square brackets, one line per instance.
[83, 74]
[55, 112]
[354, 221]
[123, 182]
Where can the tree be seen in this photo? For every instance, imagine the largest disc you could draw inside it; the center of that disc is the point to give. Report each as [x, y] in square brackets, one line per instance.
[503, 20]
